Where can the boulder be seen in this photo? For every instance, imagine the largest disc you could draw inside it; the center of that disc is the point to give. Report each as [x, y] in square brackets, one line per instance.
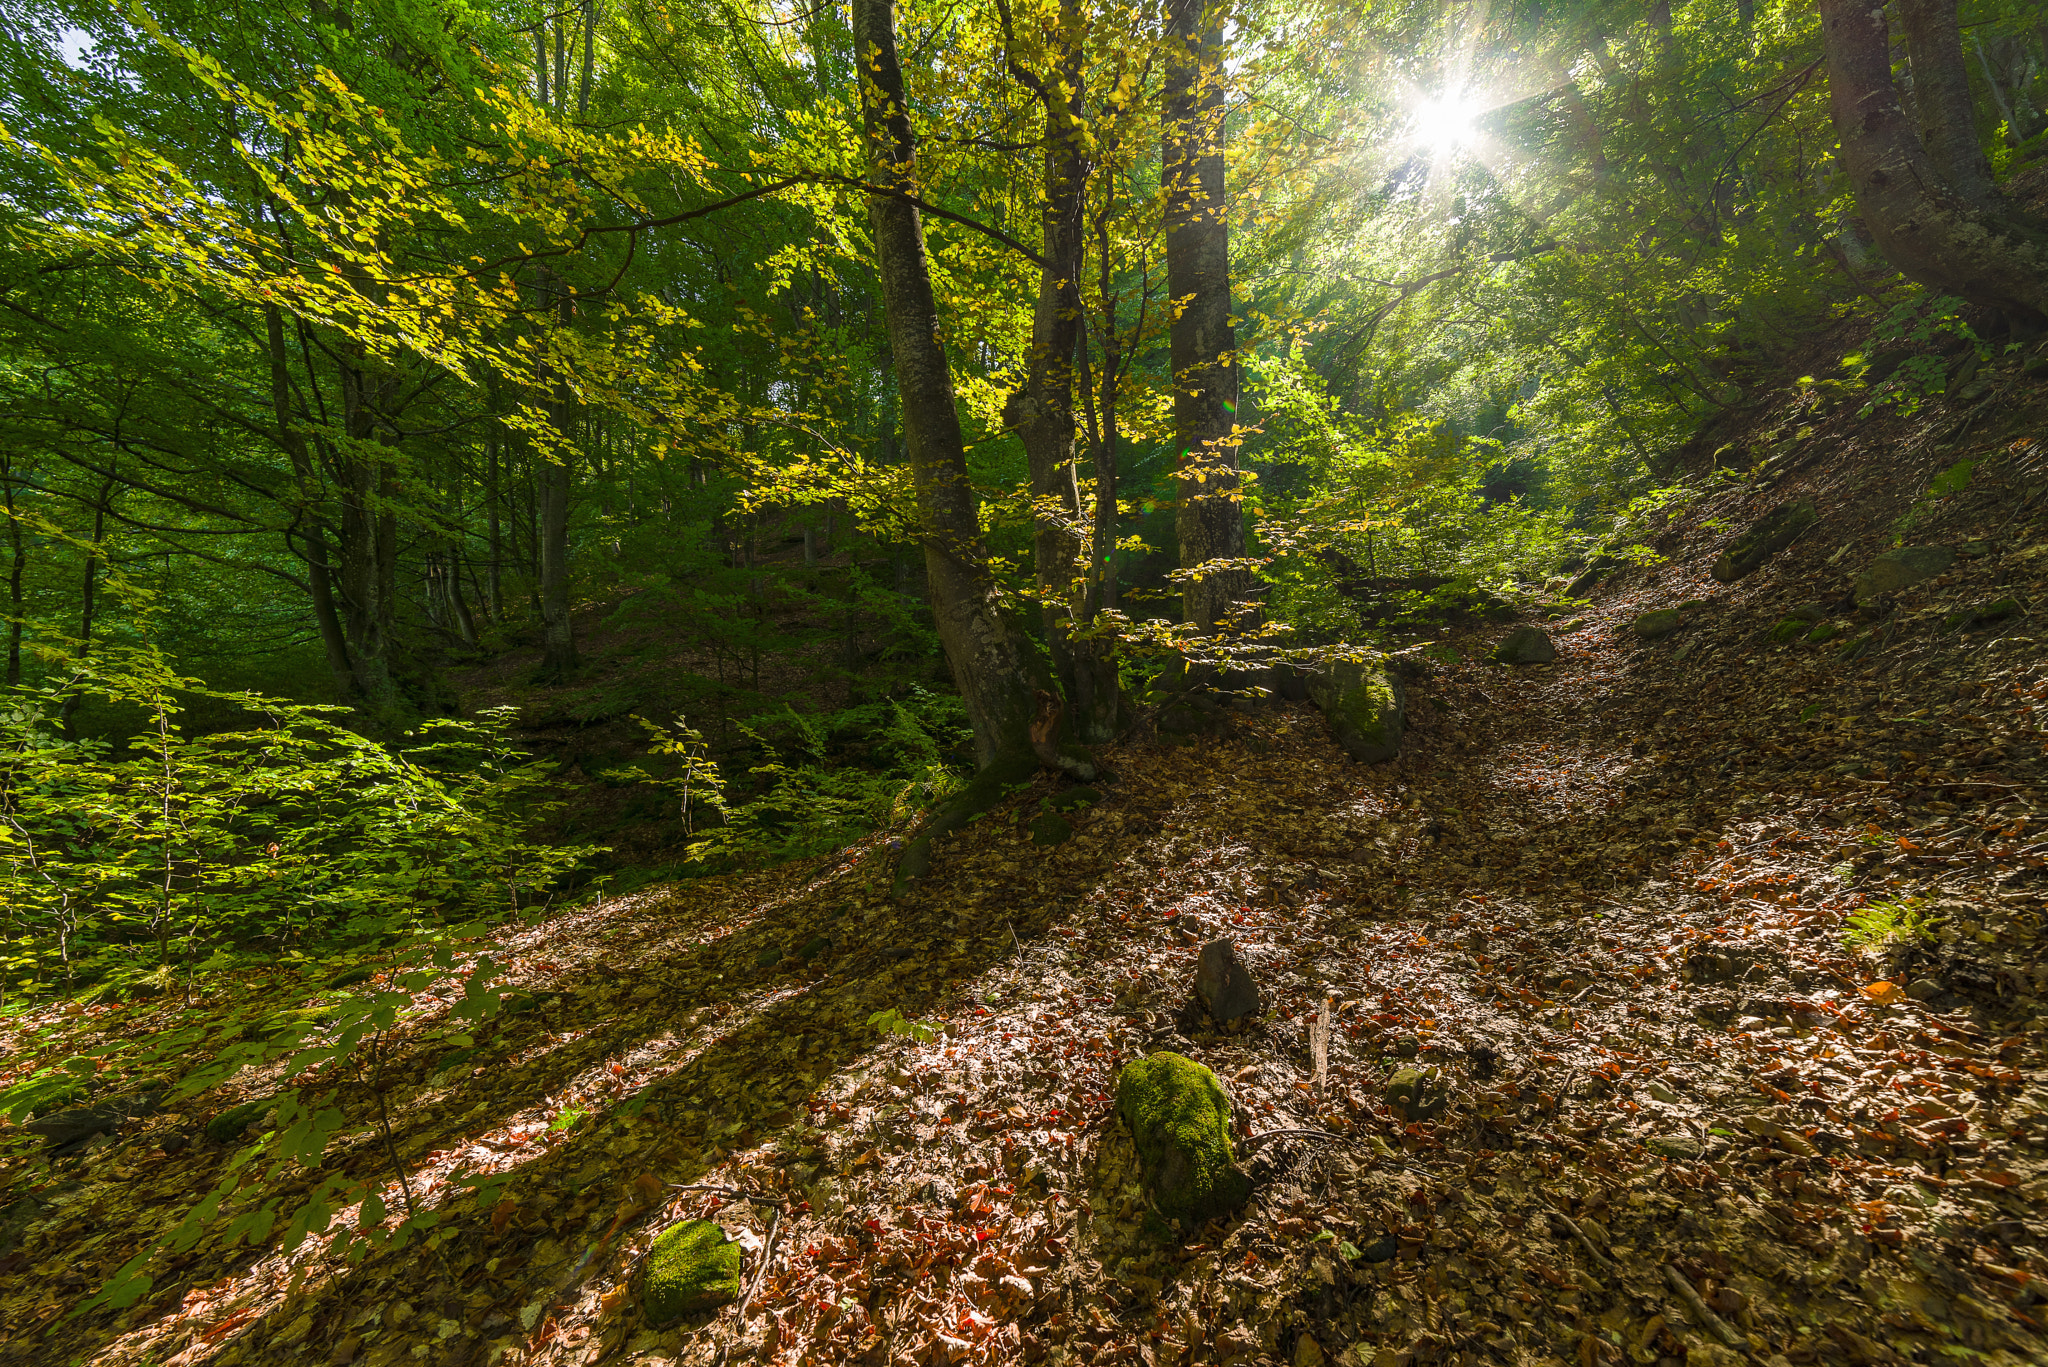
[1412, 1096]
[691, 1266]
[1659, 623]
[65, 1126]
[1224, 984]
[1179, 1118]
[229, 1125]
[1902, 568]
[1525, 646]
[1050, 828]
[1768, 535]
[1363, 704]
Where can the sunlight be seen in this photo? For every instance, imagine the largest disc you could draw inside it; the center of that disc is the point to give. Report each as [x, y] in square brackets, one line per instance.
[1445, 123]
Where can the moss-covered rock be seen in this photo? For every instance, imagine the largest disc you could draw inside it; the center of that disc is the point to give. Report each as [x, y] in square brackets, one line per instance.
[1413, 1096]
[1822, 634]
[1525, 646]
[1050, 828]
[228, 1126]
[1179, 1118]
[1790, 629]
[1364, 706]
[1767, 536]
[1902, 568]
[1657, 624]
[692, 1266]
[1074, 799]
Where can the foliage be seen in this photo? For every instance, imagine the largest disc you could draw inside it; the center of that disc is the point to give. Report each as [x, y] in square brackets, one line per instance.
[1882, 925]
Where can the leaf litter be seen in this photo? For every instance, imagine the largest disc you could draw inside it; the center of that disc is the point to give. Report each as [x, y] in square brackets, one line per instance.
[1599, 906]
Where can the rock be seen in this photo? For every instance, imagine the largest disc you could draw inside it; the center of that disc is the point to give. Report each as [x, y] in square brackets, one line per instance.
[1364, 707]
[768, 958]
[1822, 634]
[228, 1126]
[1661, 622]
[1903, 568]
[691, 1266]
[65, 1126]
[1809, 612]
[1224, 984]
[1719, 961]
[1767, 536]
[1382, 1249]
[1978, 613]
[813, 947]
[1925, 990]
[1791, 628]
[1050, 828]
[1179, 1118]
[1412, 1096]
[1525, 646]
[1681, 1146]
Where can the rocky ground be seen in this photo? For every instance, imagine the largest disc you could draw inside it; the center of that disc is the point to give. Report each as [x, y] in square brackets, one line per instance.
[1565, 1051]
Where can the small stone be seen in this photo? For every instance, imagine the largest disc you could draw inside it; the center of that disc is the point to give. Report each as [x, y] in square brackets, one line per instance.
[1179, 1119]
[1924, 990]
[1902, 568]
[1050, 828]
[1809, 612]
[1406, 1047]
[692, 1266]
[229, 1125]
[768, 958]
[1790, 629]
[66, 1126]
[813, 947]
[1382, 1249]
[1413, 1097]
[1822, 634]
[1224, 984]
[1657, 624]
[1525, 646]
[1680, 1146]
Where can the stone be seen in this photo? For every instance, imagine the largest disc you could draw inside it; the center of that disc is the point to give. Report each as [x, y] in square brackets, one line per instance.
[1681, 1146]
[768, 958]
[228, 1125]
[1822, 634]
[1364, 706]
[1412, 1096]
[1179, 1119]
[1809, 612]
[1050, 828]
[1658, 623]
[1767, 536]
[691, 1266]
[1924, 990]
[1792, 628]
[1717, 961]
[1381, 1250]
[66, 1126]
[1525, 646]
[1900, 569]
[813, 947]
[1224, 985]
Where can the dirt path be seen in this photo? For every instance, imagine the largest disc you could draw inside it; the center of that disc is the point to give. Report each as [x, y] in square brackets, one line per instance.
[1680, 1121]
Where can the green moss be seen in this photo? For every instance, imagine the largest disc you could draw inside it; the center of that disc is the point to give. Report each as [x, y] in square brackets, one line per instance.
[1363, 707]
[1076, 798]
[1652, 626]
[1050, 828]
[228, 1125]
[1822, 634]
[1179, 1117]
[1790, 628]
[1412, 1096]
[692, 1266]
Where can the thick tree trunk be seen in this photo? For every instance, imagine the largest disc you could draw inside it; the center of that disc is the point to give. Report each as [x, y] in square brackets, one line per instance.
[1001, 679]
[1941, 98]
[16, 564]
[558, 630]
[313, 535]
[363, 549]
[1203, 343]
[1925, 228]
[1042, 412]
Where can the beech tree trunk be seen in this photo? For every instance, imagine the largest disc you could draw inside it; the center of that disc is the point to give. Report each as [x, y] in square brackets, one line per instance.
[1001, 678]
[1941, 98]
[1042, 412]
[1924, 226]
[1203, 343]
[310, 541]
[551, 492]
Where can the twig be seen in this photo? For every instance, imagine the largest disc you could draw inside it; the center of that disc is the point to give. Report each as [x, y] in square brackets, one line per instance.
[1014, 940]
[1600, 1260]
[1289, 1134]
[1719, 1327]
[767, 1255]
[733, 1192]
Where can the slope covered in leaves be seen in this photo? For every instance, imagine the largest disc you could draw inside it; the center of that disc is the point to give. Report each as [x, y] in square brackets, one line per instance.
[1601, 905]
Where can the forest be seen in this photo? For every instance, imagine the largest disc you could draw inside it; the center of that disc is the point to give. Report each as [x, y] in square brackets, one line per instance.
[1039, 681]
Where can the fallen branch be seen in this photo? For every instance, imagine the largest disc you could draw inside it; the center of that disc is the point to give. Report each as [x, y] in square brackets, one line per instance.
[1706, 1318]
[1600, 1260]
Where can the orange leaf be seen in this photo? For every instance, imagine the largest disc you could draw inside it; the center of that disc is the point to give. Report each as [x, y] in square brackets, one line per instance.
[1884, 993]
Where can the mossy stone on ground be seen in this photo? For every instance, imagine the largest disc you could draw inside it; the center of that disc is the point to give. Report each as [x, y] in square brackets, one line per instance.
[1825, 632]
[1050, 828]
[1767, 536]
[692, 1266]
[1363, 704]
[1525, 646]
[1412, 1096]
[229, 1125]
[1902, 568]
[1656, 625]
[1179, 1117]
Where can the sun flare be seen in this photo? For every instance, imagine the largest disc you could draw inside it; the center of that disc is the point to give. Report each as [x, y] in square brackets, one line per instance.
[1445, 123]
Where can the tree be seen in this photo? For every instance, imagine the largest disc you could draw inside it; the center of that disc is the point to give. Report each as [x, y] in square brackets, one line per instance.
[1924, 218]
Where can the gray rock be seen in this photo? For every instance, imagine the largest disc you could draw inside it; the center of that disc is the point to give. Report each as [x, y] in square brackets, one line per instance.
[1902, 568]
[1224, 985]
[1657, 624]
[1413, 1097]
[1722, 961]
[1809, 612]
[65, 1126]
[1924, 990]
[1364, 706]
[1767, 536]
[1674, 1145]
[1525, 646]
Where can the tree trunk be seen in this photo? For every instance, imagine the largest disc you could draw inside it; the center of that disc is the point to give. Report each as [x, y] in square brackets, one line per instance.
[1927, 230]
[1941, 99]
[1042, 412]
[1001, 679]
[319, 566]
[89, 605]
[1203, 343]
[361, 551]
[17, 562]
[558, 631]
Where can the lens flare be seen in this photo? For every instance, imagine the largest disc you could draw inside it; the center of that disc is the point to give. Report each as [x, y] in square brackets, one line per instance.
[1445, 123]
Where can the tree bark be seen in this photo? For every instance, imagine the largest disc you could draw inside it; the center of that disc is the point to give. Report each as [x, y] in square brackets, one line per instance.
[1000, 677]
[1926, 229]
[1203, 343]
[319, 566]
[558, 629]
[1042, 412]
[16, 564]
[1941, 99]
[363, 542]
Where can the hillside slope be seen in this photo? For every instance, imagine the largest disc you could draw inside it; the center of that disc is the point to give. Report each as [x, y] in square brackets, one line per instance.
[1599, 904]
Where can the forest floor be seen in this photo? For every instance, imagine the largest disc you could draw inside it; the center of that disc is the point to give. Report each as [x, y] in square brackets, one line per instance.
[1603, 899]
